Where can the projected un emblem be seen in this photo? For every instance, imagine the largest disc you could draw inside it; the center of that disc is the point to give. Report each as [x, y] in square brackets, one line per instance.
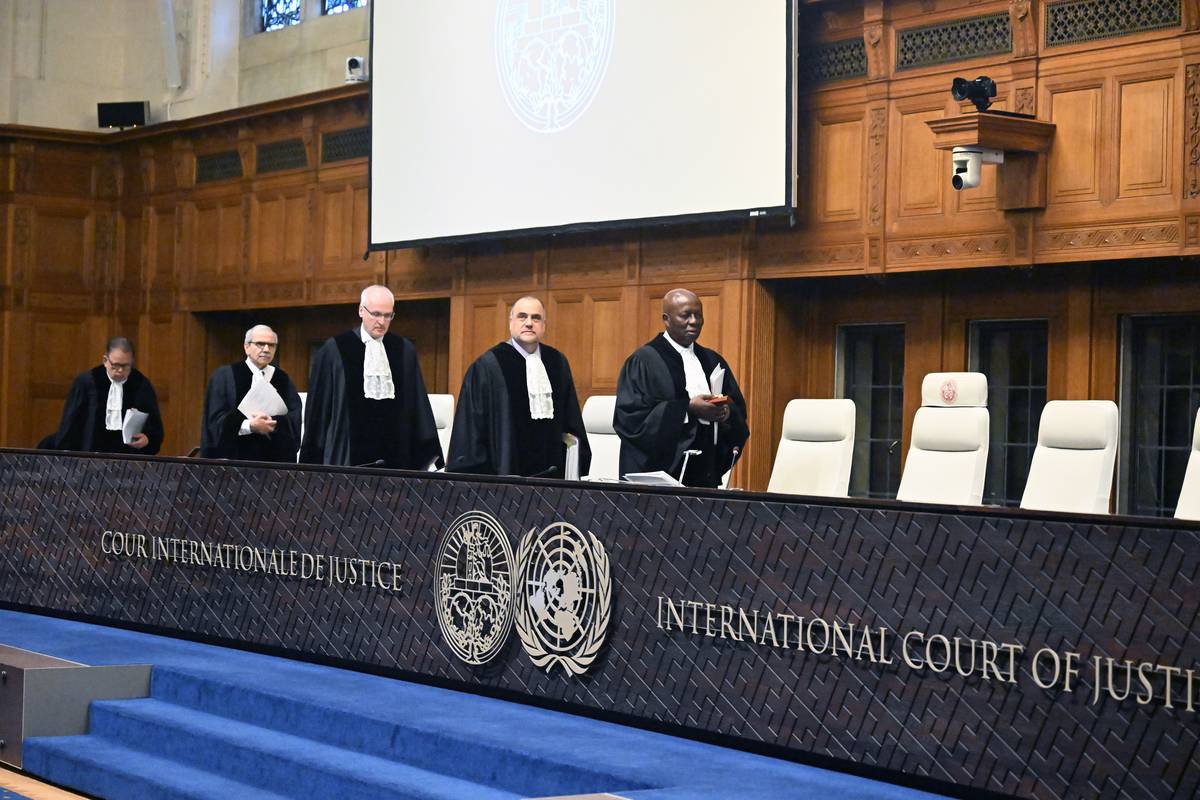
[551, 56]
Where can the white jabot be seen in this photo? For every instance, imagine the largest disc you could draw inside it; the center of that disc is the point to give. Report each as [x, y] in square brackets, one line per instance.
[256, 374]
[377, 372]
[112, 407]
[693, 373]
[537, 383]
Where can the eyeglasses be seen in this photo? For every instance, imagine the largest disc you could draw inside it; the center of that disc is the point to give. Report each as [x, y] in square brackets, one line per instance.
[379, 314]
[116, 365]
[264, 345]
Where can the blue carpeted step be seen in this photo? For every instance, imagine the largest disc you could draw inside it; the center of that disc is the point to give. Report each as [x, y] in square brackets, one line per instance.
[291, 765]
[106, 769]
[521, 760]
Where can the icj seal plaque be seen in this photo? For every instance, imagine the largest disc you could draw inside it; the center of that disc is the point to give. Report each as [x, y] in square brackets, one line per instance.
[474, 587]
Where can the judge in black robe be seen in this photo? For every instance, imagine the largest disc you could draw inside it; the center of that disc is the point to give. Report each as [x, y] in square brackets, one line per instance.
[659, 420]
[494, 430]
[342, 425]
[83, 428]
[229, 433]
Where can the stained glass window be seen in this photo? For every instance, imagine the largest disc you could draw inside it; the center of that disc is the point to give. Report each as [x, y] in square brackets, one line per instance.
[338, 6]
[278, 14]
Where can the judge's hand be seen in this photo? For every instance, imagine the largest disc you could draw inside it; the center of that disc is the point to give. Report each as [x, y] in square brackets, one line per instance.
[699, 406]
[261, 423]
[138, 441]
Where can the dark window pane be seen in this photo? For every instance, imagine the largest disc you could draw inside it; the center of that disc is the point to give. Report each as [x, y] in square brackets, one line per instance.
[873, 377]
[1164, 369]
[1013, 357]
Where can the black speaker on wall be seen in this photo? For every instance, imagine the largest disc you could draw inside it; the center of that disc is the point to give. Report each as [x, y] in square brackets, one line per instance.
[123, 115]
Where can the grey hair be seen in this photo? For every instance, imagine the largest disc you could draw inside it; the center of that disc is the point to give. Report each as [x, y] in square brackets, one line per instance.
[362, 297]
[253, 328]
[119, 343]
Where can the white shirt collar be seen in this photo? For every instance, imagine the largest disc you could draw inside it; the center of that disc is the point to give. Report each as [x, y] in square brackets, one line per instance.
[517, 346]
[680, 348]
[267, 372]
[366, 337]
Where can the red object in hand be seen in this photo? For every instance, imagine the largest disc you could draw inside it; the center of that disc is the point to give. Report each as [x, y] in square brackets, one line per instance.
[719, 399]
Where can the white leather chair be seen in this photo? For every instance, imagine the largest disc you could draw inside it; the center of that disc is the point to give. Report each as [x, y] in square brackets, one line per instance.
[816, 449]
[1188, 506]
[1072, 468]
[948, 450]
[602, 438]
[443, 418]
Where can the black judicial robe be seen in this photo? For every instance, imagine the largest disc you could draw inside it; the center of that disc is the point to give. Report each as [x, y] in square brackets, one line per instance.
[651, 404]
[493, 433]
[82, 427]
[343, 427]
[222, 420]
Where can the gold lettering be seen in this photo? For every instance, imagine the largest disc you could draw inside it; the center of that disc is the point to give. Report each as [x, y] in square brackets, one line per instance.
[1168, 671]
[1146, 685]
[1012, 650]
[865, 642]
[726, 624]
[769, 631]
[840, 635]
[746, 626]
[883, 648]
[695, 607]
[672, 612]
[825, 643]
[929, 652]
[1035, 672]
[958, 667]
[786, 619]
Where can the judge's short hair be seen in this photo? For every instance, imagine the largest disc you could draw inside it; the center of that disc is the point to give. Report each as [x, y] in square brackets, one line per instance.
[513, 307]
[362, 297]
[119, 343]
[253, 328]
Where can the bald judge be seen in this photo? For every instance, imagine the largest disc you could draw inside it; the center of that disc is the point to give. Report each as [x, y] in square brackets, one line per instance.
[667, 406]
[517, 402]
[367, 404]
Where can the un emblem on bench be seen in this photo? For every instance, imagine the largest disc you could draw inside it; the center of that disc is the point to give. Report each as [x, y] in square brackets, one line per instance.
[560, 592]
[564, 597]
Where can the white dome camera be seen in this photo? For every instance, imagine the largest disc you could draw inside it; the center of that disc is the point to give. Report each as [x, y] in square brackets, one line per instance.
[356, 69]
[968, 162]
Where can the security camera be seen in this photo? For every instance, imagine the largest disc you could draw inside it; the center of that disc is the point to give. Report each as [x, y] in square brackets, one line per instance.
[967, 163]
[979, 91]
[356, 69]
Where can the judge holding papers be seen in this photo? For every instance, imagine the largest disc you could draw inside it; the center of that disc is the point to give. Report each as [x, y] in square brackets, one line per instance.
[251, 408]
[111, 408]
[678, 401]
[517, 411]
[367, 404]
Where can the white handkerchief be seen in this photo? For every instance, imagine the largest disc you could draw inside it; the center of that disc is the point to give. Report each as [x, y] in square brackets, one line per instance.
[112, 406]
[537, 383]
[377, 372]
[571, 467]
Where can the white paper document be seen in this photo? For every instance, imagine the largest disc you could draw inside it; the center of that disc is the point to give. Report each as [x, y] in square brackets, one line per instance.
[262, 399]
[656, 478]
[716, 380]
[571, 468]
[134, 422]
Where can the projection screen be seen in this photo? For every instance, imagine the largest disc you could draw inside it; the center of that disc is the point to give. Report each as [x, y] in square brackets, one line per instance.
[499, 117]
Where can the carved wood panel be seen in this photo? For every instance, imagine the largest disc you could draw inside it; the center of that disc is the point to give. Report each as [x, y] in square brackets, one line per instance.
[1075, 154]
[1147, 131]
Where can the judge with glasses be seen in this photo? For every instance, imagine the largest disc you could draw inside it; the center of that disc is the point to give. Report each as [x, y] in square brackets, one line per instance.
[251, 408]
[367, 404]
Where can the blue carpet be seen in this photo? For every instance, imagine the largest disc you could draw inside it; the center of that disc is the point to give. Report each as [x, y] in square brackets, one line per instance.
[224, 723]
[9, 794]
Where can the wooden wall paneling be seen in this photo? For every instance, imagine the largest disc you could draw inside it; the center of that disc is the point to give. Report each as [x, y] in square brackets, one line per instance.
[281, 235]
[598, 260]
[694, 253]
[757, 375]
[1146, 143]
[1077, 110]
[613, 338]
[839, 182]
[505, 266]
[419, 272]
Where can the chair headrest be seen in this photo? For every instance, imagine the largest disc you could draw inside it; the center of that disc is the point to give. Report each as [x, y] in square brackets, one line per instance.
[954, 389]
[1078, 425]
[950, 432]
[598, 413]
[443, 410]
[1196, 432]
[818, 420]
